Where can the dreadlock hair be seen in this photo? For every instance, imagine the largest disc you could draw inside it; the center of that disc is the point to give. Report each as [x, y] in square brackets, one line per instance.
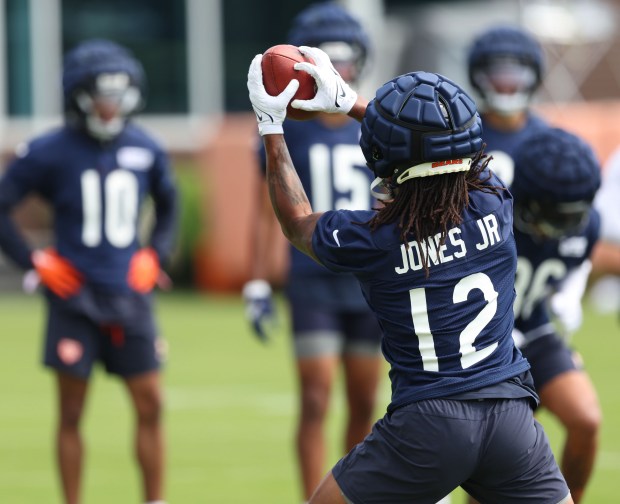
[427, 205]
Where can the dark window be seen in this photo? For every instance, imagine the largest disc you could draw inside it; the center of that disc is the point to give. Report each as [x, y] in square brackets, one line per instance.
[251, 28]
[18, 58]
[153, 29]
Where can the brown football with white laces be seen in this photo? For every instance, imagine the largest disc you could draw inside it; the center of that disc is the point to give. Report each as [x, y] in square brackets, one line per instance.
[277, 65]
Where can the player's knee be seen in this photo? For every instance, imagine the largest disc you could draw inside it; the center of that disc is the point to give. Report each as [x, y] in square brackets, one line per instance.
[70, 415]
[587, 423]
[315, 401]
[149, 408]
[362, 408]
[70, 421]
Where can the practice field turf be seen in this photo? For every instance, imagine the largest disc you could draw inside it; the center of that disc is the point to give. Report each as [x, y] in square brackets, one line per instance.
[231, 404]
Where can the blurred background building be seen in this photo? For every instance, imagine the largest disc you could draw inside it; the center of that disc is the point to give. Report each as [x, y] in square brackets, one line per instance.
[196, 54]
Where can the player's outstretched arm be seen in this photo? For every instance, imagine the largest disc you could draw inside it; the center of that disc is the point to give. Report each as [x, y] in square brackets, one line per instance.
[287, 195]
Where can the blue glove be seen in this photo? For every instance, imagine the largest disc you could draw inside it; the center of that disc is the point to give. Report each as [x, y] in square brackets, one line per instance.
[259, 307]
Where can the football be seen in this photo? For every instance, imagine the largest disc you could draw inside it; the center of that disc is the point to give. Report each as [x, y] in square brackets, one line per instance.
[278, 71]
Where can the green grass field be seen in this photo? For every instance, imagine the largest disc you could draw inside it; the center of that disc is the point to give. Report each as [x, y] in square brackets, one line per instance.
[231, 404]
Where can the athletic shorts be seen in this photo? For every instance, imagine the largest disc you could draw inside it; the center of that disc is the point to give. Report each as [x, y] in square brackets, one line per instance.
[549, 357]
[76, 340]
[493, 448]
[318, 331]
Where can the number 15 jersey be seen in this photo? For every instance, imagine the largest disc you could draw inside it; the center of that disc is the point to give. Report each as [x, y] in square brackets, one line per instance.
[447, 334]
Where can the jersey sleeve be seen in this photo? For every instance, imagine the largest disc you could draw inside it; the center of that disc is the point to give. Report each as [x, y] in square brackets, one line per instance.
[24, 175]
[342, 241]
[164, 193]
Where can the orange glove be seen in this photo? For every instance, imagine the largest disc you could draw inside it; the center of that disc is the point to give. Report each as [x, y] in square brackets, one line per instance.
[57, 273]
[143, 271]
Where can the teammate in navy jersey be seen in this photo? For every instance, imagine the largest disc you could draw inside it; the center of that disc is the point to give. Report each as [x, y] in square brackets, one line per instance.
[331, 323]
[95, 172]
[505, 66]
[556, 228]
[436, 263]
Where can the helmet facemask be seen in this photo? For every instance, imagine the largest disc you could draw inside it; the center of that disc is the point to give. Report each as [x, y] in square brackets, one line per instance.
[506, 84]
[348, 59]
[332, 28]
[551, 220]
[107, 104]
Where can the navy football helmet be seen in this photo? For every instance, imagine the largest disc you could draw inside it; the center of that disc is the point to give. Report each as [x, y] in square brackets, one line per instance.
[556, 178]
[103, 85]
[505, 66]
[333, 29]
[420, 124]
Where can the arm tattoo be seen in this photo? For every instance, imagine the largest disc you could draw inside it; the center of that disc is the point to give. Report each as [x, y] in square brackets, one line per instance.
[285, 180]
[288, 196]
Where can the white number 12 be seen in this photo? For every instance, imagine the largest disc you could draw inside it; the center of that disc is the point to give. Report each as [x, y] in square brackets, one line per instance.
[469, 354]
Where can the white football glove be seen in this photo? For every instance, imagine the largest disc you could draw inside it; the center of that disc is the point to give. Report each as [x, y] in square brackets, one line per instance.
[333, 93]
[518, 338]
[566, 303]
[270, 110]
[568, 311]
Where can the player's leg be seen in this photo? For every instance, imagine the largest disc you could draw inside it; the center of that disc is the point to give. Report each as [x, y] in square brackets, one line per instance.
[362, 361]
[316, 377]
[145, 392]
[317, 344]
[132, 351]
[567, 393]
[572, 399]
[362, 373]
[71, 347]
[69, 446]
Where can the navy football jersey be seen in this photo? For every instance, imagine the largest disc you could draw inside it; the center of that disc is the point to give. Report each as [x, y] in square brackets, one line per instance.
[502, 145]
[333, 172]
[542, 265]
[451, 332]
[96, 192]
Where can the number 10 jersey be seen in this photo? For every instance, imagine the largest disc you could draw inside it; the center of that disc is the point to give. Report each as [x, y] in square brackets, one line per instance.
[96, 191]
